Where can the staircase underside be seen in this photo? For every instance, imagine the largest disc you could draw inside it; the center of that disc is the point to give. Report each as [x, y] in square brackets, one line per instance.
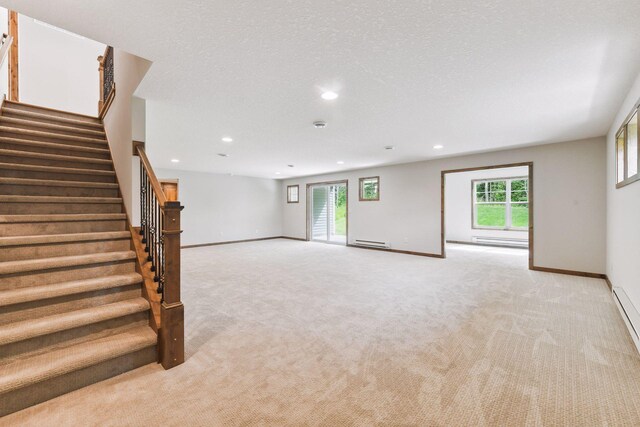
[72, 307]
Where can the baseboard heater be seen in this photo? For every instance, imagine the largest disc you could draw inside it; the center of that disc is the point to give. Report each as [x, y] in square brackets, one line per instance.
[371, 244]
[500, 241]
[629, 314]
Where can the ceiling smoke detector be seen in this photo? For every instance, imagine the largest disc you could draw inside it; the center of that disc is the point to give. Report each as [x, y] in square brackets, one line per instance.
[320, 124]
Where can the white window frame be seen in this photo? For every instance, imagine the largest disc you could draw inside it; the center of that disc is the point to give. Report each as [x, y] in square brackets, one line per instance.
[508, 203]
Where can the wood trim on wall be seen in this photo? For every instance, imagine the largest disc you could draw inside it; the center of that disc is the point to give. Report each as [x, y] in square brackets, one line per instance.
[228, 242]
[13, 64]
[308, 222]
[397, 251]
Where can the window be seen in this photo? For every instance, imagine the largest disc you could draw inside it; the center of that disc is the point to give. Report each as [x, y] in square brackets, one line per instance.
[627, 160]
[370, 189]
[292, 193]
[501, 204]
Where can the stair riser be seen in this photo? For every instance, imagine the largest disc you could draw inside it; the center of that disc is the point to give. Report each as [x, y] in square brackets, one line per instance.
[69, 337]
[18, 253]
[54, 150]
[43, 190]
[40, 228]
[56, 176]
[53, 128]
[45, 277]
[59, 208]
[79, 125]
[63, 304]
[54, 113]
[56, 139]
[80, 163]
[40, 392]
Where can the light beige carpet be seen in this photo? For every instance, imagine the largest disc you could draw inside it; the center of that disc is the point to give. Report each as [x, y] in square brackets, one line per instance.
[291, 333]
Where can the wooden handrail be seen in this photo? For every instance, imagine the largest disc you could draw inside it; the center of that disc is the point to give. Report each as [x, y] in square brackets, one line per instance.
[155, 184]
[6, 44]
[160, 231]
[107, 81]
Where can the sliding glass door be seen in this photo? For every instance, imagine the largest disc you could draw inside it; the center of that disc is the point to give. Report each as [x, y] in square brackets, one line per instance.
[329, 213]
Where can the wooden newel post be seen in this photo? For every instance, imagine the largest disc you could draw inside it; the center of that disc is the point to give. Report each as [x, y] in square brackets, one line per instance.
[101, 72]
[172, 310]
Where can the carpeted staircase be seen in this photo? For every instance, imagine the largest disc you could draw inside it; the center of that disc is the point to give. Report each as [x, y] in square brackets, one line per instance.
[71, 305]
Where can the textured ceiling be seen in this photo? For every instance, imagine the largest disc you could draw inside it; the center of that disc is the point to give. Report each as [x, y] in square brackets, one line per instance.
[472, 76]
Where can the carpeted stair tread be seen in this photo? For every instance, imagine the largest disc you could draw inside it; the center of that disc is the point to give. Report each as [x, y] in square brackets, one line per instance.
[48, 110]
[50, 126]
[32, 328]
[61, 218]
[47, 156]
[57, 183]
[35, 369]
[52, 135]
[10, 198]
[43, 116]
[25, 266]
[55, 169]
[55, 290]
[41, 239]
[52, 145]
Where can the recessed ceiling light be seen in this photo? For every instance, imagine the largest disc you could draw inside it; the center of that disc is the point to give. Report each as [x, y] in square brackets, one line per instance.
[175, 161]
[329, 95]
[290, 166]
[389, 147]
[438, 147]
[320, 124]
[223, 155]
[340, 162]
[227, 139]
[277, 173]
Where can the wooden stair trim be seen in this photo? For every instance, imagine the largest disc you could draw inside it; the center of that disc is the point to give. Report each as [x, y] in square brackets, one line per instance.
[40, 116]
[32, 328]
[56, 290]
[48, 156]
[52, 145]
[55, 169]
[33, 265]
[94, 119]
[57, 183]
[21, 219]
[10, 198]
[32, 370]
[51, 135]
[51, 126]
[143, 266]
[44, 239]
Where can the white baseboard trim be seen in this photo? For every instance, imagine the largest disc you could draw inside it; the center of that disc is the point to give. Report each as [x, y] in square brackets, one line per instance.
[629, 313]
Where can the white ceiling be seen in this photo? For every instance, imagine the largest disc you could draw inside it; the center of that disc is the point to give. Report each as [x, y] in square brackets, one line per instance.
[472, 76]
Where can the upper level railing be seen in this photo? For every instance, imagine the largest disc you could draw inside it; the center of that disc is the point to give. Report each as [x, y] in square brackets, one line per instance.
[107, 82]
[160, 231]
[5, 44]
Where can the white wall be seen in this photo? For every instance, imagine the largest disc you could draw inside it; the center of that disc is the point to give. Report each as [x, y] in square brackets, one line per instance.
[4, 69]
[138, 133]
[623, 216]
[221, 208]
[459, 199]
[57, 69]
[129, 70]
[569, 210]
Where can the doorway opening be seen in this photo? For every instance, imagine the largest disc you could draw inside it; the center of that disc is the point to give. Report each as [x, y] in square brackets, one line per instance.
[327, 212]
[489, 210]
